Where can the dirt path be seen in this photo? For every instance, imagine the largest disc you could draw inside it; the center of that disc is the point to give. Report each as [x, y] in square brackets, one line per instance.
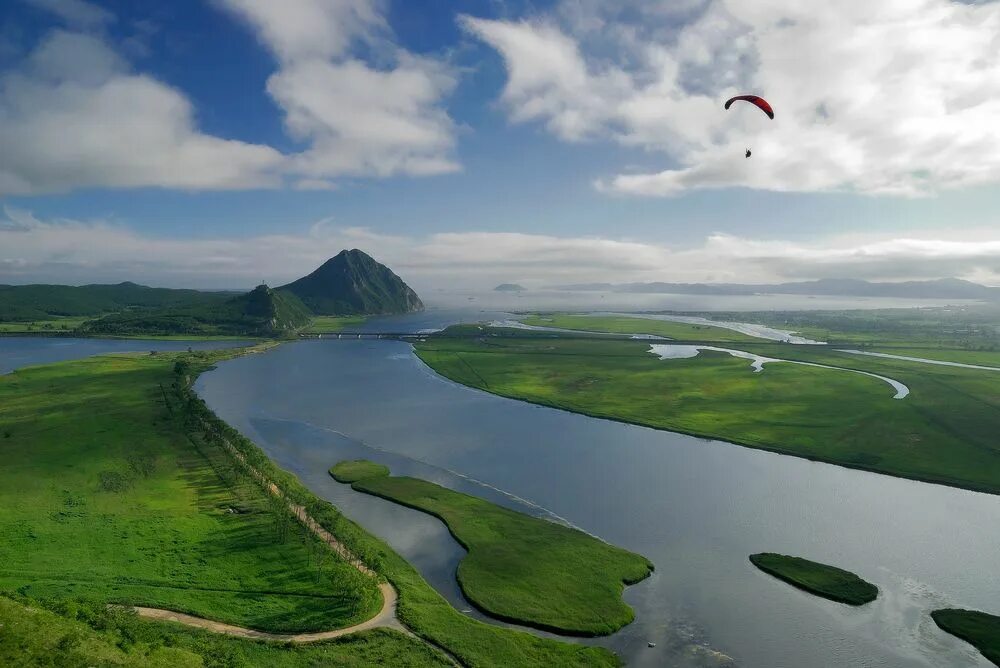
[385, 618]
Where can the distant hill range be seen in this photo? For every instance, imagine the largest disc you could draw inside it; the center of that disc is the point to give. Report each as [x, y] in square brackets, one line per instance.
[944, 288]
[351, 283]
[509, 287]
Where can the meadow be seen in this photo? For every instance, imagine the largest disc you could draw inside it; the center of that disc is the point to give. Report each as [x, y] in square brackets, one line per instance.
[105, 495]
[944, 431]
[519, 568]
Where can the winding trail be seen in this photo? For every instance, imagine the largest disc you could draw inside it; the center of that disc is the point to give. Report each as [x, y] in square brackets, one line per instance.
[386, 617]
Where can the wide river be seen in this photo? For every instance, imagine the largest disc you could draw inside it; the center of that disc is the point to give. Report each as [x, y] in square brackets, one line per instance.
[696, 507]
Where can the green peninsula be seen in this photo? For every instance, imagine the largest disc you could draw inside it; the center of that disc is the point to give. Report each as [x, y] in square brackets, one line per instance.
[976, 628]
[519, 568]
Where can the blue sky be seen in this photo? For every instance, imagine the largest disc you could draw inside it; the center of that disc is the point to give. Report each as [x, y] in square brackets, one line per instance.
[205, 143]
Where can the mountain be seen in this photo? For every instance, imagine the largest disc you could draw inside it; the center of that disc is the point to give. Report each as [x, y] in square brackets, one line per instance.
[352, 283]
[944, 288]
[260, 312]
[509, 287]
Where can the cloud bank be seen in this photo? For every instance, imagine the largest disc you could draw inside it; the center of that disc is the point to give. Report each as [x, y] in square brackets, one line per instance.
[70, 251]
[75, 114]
[900, 97]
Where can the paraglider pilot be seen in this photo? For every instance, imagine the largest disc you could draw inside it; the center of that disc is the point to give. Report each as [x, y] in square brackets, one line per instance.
[748, 153]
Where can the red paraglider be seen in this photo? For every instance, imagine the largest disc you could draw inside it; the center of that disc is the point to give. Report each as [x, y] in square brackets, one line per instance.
[755, 100]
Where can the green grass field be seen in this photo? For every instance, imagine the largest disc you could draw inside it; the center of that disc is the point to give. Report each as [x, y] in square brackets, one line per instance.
[89, 635]
[519, 568]
[626, 325]
[976, 628]
[819, 579]
[103, 496]
[50, 326]
[944, 431]
[331, 324]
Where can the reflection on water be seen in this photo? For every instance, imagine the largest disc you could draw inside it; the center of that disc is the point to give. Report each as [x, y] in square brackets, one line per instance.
[697, 508]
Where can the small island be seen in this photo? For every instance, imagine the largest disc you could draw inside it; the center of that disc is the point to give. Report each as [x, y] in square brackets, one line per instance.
[519, 568]
[819, 579]
[979, 629]
[509, 287]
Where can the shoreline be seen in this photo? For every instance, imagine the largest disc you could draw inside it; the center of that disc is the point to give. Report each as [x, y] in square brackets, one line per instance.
[945, 482]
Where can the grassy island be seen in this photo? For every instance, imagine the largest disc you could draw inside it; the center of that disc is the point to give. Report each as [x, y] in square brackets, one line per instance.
[976, 628]
[519, 568]
[819, 579]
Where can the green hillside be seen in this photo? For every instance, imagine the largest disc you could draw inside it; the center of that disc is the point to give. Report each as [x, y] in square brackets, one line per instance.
[41, 302]
[260, 312]
[352, 283]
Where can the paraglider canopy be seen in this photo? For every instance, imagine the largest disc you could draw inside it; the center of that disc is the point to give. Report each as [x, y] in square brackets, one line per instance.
[755, 100]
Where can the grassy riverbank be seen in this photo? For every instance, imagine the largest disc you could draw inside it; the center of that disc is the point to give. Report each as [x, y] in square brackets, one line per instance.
[942, 432]
[519, 568]
[819, 579]
[976, 628]
[104, 496]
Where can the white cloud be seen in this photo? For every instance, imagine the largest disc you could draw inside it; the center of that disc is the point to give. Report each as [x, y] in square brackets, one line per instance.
[298, 29]
[97, 251]
[897, 97]
[74, 114]
[359, 118]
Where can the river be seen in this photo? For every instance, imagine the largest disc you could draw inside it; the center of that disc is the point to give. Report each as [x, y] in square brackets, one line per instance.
[696, 507]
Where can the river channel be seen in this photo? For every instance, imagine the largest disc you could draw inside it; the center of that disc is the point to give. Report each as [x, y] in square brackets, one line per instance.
[696, 507]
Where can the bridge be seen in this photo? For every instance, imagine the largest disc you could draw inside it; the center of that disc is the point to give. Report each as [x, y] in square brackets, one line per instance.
[398, 336]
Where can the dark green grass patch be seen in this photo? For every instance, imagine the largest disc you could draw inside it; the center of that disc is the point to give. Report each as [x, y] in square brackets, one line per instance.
[105, 495]
[359, 469]
[819, 579]
[520, 568]
[976, 628]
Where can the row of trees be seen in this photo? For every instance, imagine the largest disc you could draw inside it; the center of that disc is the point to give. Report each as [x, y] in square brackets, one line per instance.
[249, 465]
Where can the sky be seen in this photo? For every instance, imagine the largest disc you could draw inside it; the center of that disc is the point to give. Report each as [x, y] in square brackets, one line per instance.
[221, 143]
